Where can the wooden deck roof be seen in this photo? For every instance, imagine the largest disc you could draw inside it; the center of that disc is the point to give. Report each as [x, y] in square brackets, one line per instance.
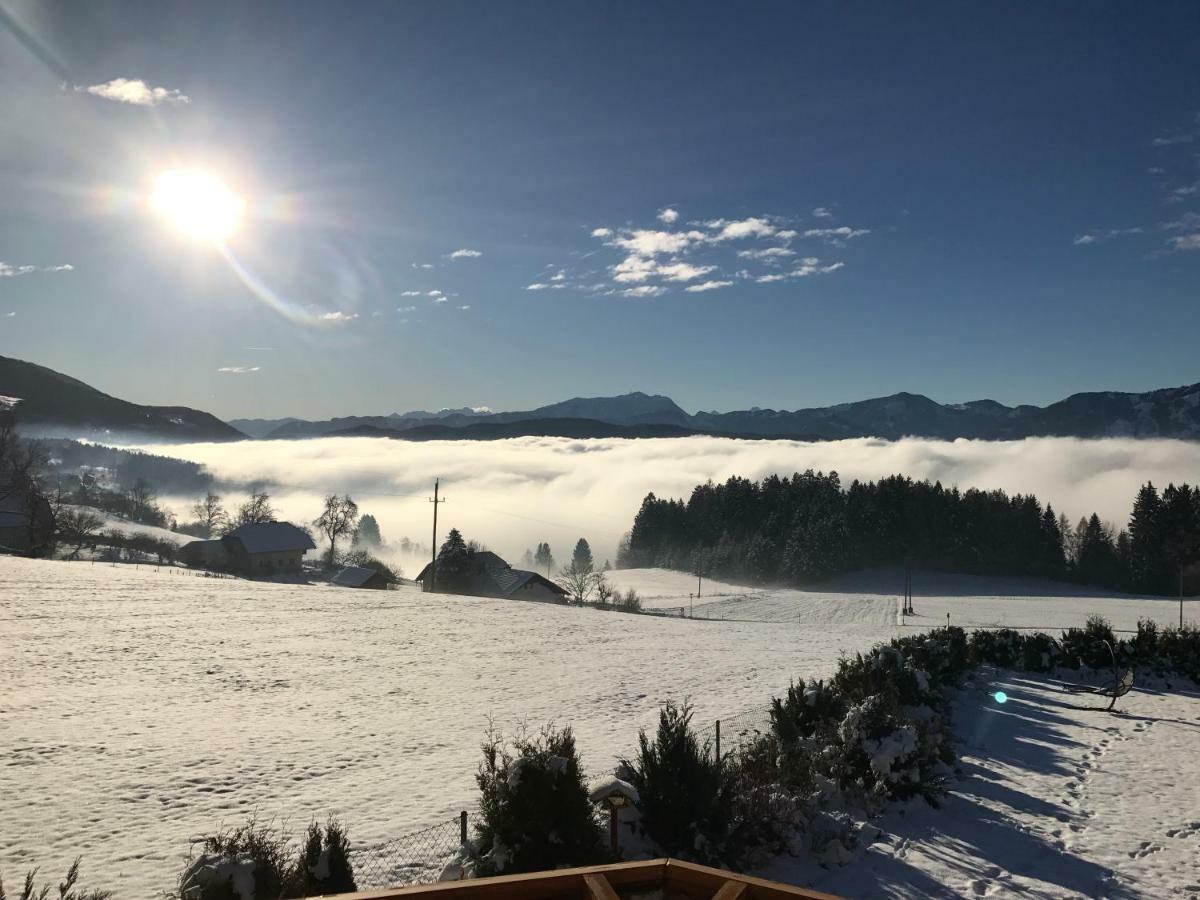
[675, 880]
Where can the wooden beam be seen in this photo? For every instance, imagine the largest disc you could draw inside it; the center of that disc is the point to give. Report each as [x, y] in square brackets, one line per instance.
[599, 888]
[732, 890]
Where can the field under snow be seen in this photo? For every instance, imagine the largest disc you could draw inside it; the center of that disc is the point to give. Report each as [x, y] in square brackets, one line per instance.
[140, 708]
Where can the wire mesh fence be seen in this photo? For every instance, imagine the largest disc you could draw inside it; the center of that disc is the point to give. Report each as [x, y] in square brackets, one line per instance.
[421, 856]
[416, 858]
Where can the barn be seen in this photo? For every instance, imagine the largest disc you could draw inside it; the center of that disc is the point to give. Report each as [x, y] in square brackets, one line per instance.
[361, 577]
[491, 576]
[264, 549]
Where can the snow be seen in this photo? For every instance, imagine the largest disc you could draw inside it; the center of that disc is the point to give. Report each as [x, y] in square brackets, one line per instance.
[141, 708]
[605, 786]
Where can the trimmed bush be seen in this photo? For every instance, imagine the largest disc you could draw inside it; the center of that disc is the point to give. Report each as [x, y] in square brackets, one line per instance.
[534, 805]
[686, 797]
[324, 865]
[998, 648]
[1087, 645]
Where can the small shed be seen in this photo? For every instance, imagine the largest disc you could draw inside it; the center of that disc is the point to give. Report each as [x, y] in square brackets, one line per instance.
[205, 555]
[361, 577]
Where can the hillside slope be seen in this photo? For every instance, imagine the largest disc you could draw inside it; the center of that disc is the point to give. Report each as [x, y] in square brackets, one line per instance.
[50, 402]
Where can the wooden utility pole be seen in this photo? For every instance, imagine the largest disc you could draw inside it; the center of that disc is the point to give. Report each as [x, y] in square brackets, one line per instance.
[433, 563]
[1181, 596]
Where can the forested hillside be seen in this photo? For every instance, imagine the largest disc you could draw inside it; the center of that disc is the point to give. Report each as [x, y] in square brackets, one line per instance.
[805, 528]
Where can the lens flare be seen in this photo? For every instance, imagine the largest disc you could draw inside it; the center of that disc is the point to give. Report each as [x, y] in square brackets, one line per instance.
[197, 204]
[1000, 697]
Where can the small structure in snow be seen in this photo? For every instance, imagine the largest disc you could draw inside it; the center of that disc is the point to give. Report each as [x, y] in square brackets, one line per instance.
[261, 549]
[361, 577]
[491, 576]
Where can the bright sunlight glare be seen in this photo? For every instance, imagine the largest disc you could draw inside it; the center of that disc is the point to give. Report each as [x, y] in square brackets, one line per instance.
[198, 204]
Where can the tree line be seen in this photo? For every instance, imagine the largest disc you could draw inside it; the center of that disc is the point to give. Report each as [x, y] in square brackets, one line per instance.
[806, 528]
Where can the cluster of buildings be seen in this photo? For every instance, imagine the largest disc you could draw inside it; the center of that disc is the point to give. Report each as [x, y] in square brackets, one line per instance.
[274, 549]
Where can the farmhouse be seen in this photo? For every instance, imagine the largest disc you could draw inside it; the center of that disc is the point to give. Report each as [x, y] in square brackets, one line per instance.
[361, 577]
[26, 523]
[259, 550]
[490, 576]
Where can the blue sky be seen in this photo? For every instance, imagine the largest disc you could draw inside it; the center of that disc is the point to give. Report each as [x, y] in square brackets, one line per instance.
[734, 204]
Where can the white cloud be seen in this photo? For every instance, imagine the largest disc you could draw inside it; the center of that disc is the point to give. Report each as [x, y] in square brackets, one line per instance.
[559, 276]
[822, 212]
[707, 286]
[135, 91]
[810, 265]
[647, 242]
[645, 290]
[8, 270]
[741, 229]
[338, 316]
[1093, 237]
[410, 293]
[441, 299]
[634, 268]
[601, 232]
[1186, 242]
[836, 235]
[434, 294]
[8, 315]
[467, 306]
[543, 286]
[771, 279]
[681, 271]
[1187, 222]
[406, 309]
[668, 216]
[422, 265]
[767, 253]
[1185, 191]
[464, 253]
[238, 370]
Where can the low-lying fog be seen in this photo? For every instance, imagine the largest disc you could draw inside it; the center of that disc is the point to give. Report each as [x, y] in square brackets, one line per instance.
[511, 494]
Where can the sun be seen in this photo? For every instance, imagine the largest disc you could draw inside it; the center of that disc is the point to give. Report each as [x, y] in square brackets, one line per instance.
[197, 204]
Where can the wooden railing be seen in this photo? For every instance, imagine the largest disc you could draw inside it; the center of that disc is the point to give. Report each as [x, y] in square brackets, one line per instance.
[676, 880]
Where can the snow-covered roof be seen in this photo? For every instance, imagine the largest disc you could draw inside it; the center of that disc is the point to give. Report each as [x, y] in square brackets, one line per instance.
[354, 576]
[272, 537]
[605, 786]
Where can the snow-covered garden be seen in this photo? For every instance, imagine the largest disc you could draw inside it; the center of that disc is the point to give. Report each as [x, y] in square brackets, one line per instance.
[144, 707]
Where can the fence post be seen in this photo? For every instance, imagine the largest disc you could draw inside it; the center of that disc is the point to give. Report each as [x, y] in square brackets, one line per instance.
[718, 741]
[462, 826]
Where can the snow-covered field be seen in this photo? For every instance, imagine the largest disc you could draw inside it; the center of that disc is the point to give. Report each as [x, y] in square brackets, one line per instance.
[140, 708]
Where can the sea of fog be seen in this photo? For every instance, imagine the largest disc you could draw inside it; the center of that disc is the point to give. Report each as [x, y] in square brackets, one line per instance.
[512, 494]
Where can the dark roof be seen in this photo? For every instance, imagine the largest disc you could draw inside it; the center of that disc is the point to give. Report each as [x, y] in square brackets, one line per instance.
[355, 576]
[271, 537]
[515, 579]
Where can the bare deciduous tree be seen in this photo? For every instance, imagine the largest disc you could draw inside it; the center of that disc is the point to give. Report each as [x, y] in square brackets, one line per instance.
[210, 513]
[577, 581]
[256, 510]
[77, 527]
[337, 519]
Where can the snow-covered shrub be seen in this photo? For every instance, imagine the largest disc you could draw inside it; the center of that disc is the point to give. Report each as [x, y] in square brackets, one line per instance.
[324, 865]
[249, 862]
[534, 805]
[942, 654]
[769, 789]
[1003, 647]
[686, 796]
[1040, 653]
[806, 709]
[1087, 645]
[1179, 651]
[66, 888]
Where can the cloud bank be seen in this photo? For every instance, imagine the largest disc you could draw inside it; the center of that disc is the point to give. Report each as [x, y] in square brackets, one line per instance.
[512, 494]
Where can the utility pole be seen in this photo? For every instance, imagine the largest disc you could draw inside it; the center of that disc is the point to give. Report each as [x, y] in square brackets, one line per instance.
[1181, 596]
[433, 563]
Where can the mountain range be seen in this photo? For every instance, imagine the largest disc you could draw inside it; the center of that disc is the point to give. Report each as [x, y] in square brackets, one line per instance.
[53, 403]
[1170, 412]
